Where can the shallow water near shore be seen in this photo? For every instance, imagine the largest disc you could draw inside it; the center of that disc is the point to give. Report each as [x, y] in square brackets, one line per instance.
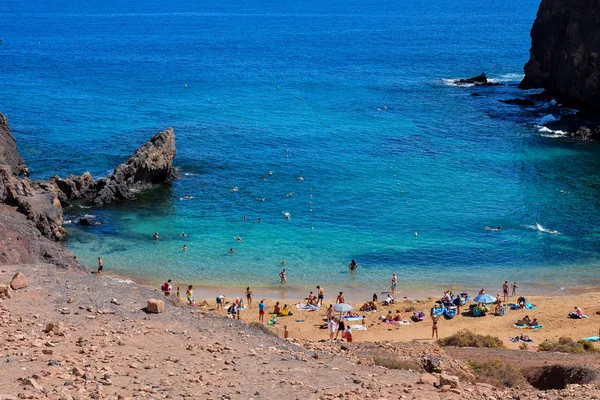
[352, 109]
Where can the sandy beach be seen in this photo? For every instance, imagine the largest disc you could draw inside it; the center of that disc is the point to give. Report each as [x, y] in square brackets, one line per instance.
[551, 311]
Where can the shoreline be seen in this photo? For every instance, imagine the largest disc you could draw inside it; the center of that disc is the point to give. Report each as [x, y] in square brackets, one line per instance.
[295, 293]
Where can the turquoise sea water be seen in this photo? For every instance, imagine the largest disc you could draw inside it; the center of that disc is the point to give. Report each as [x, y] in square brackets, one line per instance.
[355, 97]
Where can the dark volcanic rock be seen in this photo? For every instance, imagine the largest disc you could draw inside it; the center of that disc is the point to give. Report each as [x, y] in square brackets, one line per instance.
[565, 53]
[8, 150]
[479, 80]
[151, 164]
[31, 212]
[22, 243]
[84, 222]
[518, 102]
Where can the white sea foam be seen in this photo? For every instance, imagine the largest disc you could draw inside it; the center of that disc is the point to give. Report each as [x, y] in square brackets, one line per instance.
[510, 77]
[67, 222]
[540, 228]
[80, 206]
[89, 216]
[126, 281]
[547, 132]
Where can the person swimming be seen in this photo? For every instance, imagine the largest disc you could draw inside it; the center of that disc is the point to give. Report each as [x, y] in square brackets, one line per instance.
[487, 228]
[353, 265]
[287, 215]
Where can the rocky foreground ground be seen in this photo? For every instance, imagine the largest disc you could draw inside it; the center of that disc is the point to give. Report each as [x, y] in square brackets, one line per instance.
[72, 335]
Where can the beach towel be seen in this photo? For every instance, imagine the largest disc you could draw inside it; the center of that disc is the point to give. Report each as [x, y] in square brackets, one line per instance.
[307, 307]
[528, 327]
[592, 339]
[529, 306]
[358, 327]
[514, 306]
[350, 319]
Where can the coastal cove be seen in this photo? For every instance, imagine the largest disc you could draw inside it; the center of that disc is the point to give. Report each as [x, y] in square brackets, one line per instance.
[358, 102]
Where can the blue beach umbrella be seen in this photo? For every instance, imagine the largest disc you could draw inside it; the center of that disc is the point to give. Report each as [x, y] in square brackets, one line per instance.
[485, 299]
[343, 308]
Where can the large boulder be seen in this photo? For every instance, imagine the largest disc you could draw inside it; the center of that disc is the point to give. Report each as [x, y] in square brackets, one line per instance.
[18, 281]
[155, 306]
[56, 328]
[565, 53]
[450, 380]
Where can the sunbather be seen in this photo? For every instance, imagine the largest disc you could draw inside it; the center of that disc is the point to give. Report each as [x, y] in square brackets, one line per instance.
[577, 313]
[524, 322]
[534, 322]
[398, 316]
[389, 317]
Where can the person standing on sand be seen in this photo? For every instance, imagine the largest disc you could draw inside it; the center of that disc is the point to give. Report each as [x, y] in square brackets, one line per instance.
[340, 299]
[514, 289]
[341, 327]
[434, 327]
[394, 284]
[282, 276]
[505, 291]
[249, 294]
[320, 296]
[190, 295]
[100, 266]
[261, 311]
[333, 328]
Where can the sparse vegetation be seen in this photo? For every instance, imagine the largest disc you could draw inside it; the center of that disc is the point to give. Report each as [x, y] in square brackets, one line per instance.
[264, 328]
[466, 338]
[497, 372]
[523, 346]
[568, 345]
[393, 362]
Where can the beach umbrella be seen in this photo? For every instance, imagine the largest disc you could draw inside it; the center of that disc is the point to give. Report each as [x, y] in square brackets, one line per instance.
[343, 308]
[485, 299]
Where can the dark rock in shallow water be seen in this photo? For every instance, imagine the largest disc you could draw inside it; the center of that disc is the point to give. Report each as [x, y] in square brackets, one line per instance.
[479, 80]
[475, 94]
[84, 222]
[151, 164]
[565, 53]
[518, 102]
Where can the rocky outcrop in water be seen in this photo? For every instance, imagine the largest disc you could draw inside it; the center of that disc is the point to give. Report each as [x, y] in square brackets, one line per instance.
[479, 80]
[31, 212]
[565, 53]
[151, 164]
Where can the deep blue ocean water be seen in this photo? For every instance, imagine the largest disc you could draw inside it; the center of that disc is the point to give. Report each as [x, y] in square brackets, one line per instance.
[355, 97]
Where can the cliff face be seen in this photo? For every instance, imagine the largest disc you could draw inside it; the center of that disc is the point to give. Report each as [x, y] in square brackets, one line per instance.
[565, 53]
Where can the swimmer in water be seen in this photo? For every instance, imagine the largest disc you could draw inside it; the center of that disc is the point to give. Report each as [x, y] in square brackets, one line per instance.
[239, 239]
[270, 173]
[353, 265]
[289, 194]
[261, 199]
[235, 189]
[231, 250]
[259, 220]
[287, 215]
[487, 228]
[184, 248]
[300, 178]
[155, 236]
[183, 234]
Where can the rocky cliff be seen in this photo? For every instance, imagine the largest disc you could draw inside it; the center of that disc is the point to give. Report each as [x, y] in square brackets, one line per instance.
[151, 164]
[565, 53]
[31, 212]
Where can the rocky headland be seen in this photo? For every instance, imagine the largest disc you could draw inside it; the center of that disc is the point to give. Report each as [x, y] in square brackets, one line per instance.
[565, 60]
[31, 212]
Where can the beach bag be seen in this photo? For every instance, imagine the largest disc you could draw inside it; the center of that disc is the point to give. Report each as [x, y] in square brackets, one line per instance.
[163, 287]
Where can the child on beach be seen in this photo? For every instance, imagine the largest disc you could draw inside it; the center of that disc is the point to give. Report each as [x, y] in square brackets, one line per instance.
[190, 295]
[434, 327]
[261, 311]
